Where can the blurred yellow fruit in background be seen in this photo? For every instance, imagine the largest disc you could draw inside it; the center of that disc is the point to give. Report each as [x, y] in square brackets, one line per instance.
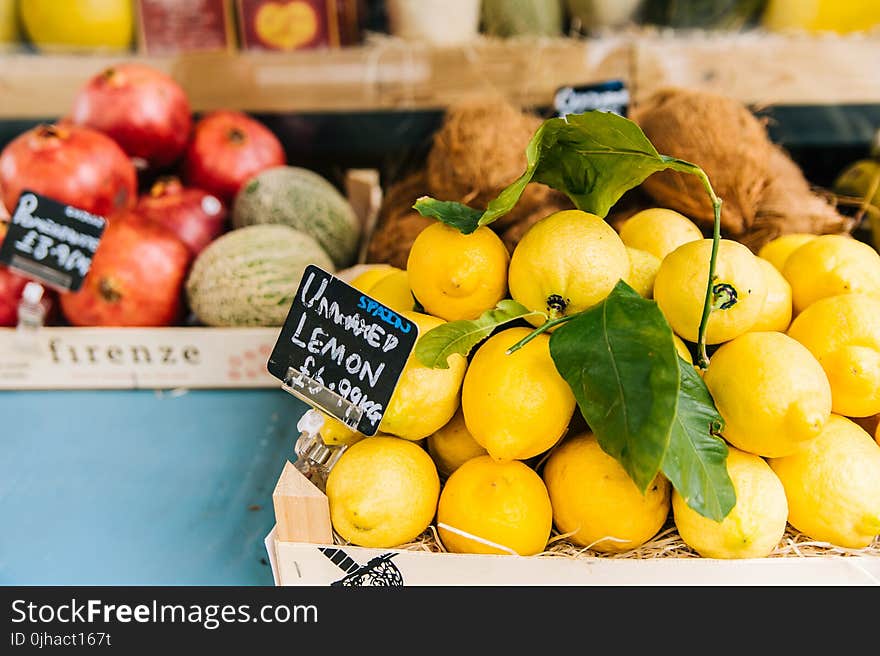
[393, 290]
[659, 231]
[642, 272]
[841, 16]
[833, 485]
[370, 274]
[504, 503]
[771, 392]
[516, 406]
[595, 499]
[383, 492]
[755, 525]
[78, 25]
[9, 29]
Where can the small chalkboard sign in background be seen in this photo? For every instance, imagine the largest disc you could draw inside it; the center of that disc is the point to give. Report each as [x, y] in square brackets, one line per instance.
[51, 241]
[611, 96]
[341, 350]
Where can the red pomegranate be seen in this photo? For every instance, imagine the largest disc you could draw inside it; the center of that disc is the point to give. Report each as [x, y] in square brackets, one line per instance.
[74, 165]
[226, 149]
[144, 110]
[194, 215]
[136, 277]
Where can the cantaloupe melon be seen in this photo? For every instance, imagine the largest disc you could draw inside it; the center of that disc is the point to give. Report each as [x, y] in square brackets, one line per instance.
[248, 277]
[301, 199]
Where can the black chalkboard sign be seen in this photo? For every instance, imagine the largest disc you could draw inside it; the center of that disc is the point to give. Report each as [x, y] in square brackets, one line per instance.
[341, 350]
[50, 241]
[611, 96]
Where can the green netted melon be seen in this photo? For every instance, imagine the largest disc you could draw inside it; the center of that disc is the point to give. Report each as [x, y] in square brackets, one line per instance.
[301, 199]
[248, 277]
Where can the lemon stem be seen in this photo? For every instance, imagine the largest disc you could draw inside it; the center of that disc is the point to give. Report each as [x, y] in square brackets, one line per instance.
[537, 331]
[693, 169]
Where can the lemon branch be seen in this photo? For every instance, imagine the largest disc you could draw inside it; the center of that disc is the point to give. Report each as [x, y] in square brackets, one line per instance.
[537, 331]
[693, 169]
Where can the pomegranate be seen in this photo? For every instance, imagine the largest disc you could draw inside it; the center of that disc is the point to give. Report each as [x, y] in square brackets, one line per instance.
[227, 148]
[144, 110]
[194, 215]
[74, 165]
[136, 277]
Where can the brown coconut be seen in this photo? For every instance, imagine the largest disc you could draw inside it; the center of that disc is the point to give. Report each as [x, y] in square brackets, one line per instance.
[764, 192]
[479, 150]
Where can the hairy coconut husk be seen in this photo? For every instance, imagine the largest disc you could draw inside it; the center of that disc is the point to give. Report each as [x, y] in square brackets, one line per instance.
[392, 241]
[788, 205]
[721, 136]
[479, 150]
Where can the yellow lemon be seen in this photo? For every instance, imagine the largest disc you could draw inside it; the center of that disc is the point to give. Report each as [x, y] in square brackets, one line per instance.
[776, 251]
[78, 25]
[659, 231]
[516, 406]
[393, 290]
[833, 485]
[370, 274]
[566, 262]
[457, 276]
[682, 348]
[382, 492]
[642, 272]
[739, 290]
[830, 265]
[755, 525]
[776, 313]
[594, 498]
[499, 503]
[9, 32]
[425, 399]
[334, 432]
[453, 445]
[843, 332]
[771, 392]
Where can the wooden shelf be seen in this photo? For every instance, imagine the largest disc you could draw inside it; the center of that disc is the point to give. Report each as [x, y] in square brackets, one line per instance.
[391, 74]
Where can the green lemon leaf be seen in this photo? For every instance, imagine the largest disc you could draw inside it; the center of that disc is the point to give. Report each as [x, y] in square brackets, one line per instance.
[459, 216]
[594, 158]
[436, 345]
[696, 460]
[620, 361]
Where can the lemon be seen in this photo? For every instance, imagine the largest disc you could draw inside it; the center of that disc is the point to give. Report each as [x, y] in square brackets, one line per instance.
[771, 392]
[457, 276]
[453, 445]
[594, 498]
[776, 313]
[566, 262]
[642, 272]
[843, 332]
[9, 32]
[776, 251]
[755, 525]
[78, 25]
[393, 290]
[370, 275]
[833, 485]
[830, 265]
[334, 432]
[739, 290]
[425, 399]
[659, 231]
[382, 492]
[516, 406]
[682, 349]
[502, 503]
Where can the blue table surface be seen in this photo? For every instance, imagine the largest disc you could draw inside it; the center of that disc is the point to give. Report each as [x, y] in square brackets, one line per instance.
[140, 487]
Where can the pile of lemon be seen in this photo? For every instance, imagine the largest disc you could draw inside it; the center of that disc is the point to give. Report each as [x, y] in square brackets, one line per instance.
[492, 451]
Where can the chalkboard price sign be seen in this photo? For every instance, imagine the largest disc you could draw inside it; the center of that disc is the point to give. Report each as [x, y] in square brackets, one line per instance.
[341, 350]
[50, 241]
[610, 96]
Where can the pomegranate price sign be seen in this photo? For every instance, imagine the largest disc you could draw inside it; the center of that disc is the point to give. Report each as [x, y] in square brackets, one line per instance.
[341, 350]
[51, 241]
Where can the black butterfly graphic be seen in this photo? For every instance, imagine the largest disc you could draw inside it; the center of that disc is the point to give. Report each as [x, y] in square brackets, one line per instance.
[379, 571]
